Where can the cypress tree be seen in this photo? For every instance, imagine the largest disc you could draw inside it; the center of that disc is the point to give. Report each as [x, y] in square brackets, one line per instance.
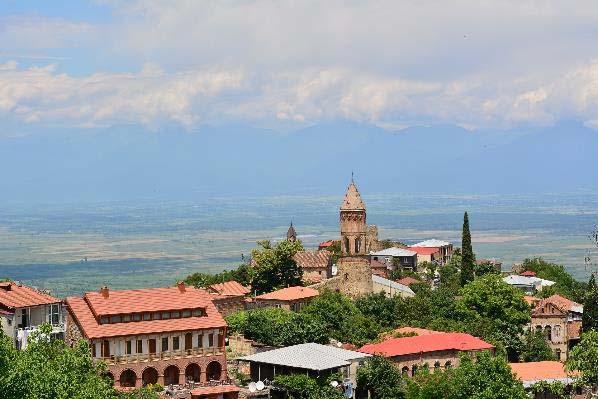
[590, 307]
[467, 256]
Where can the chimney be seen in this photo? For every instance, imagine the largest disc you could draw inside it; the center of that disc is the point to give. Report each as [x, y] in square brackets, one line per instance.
[181, 285]
[105, 292]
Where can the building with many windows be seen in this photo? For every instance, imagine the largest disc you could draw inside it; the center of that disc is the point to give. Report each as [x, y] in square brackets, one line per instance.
[168, 336]
[23, 309]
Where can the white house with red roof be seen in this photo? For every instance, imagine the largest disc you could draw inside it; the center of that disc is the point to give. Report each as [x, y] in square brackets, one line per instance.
[23, 309]
[442, 249]
[170, 336]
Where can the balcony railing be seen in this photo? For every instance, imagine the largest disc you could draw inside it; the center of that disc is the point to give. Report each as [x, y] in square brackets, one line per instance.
[146, 357]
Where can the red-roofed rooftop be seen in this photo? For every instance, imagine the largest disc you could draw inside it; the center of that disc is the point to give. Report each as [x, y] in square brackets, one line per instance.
[426, 343]
[425, 250]
[229, 288]
[289, 294]
[13, 295]
[540, 371]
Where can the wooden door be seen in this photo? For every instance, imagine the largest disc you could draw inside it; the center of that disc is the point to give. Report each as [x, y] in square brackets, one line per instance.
[188, 341]
[106, 349]
[152, 346]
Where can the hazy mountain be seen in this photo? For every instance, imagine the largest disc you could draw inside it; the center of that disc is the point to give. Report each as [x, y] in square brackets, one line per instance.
[128, 162]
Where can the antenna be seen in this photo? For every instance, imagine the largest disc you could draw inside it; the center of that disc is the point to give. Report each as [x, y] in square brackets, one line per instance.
[352, 176]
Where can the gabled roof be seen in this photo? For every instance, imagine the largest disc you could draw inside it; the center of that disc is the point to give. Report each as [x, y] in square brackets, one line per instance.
[426, 343]
[151, 300]
[13, 295]
[562, 303]
[352, 200]
[424, 250]
[408, 281]
[533, 372]
[433, 243]
[229, 288]
[394, 251]
[392, 284]
[523, 280]
[310, 356]
[313, 259]
[289, 294]
[291, 233]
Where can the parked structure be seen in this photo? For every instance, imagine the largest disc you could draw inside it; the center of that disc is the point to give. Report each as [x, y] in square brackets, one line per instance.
[291, 298]
[316, 265]
[560, 320]
[444, 248]
[529, 285]
[160, 335]
[432, 351]
[23, 309]
[312, 359]
[396, 258]
[229, 297]
[532, 373]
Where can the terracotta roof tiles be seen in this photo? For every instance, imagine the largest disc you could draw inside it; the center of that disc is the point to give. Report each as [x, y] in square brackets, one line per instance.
[229, 288]
[313, 259]
[289, 294]
[539, 371]
[13, 295]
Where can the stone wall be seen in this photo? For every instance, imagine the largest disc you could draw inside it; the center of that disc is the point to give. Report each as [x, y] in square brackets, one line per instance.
[354, 277]
[72, 332]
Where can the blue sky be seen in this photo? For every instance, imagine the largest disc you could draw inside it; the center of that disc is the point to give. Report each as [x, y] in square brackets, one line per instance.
[394, 64]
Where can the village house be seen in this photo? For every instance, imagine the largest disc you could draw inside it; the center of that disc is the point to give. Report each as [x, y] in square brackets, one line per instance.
[532, 373]
[229, 297]
[560, 320]
[169, 336]
[434, 351]
[291, 298]
[429, 255]
[316, 265]
[444, 249]
[396, 257]
[529, 285]
[379, 268]
[23, 309]
[390, 288]
[312, 359]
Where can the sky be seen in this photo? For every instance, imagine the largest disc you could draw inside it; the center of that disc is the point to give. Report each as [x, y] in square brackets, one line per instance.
[477, 64]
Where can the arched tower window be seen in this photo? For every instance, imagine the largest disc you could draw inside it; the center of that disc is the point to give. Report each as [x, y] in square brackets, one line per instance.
[347, 248]
[357, 245]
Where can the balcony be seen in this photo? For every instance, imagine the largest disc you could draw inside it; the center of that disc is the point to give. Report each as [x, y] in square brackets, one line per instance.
[149, 357]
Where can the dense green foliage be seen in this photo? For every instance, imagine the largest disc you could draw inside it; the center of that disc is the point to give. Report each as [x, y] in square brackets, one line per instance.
[565, 284]
[584, 358]
[277, 327]
[203, 280]
[49, 369]
[274, 267]
[535, 348]
[590, 307]
[485, 267]
[300, 386]
[467, 255]
[381, 378]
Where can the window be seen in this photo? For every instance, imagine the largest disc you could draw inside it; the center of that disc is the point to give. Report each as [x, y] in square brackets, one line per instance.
[147, 316]
[197, 312]
[126, 318]
[175, 343]
[136, 317]
[129, 347]
[200, 341]
[93, 349]
[115, 319]
[175, 314]
[157, 316]
[24, 318]
[139, 346]
[186, 313]
[54, 314]
[165, 315]
[210, 340]
[278, 305]
[165, 344]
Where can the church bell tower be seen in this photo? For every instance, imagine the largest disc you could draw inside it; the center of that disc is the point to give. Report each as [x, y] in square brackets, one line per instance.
[353, 223]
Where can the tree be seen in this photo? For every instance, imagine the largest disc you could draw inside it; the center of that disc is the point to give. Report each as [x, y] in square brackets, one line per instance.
[494, 310]
[590, 307]
[380, 307]
[274, 267]
[301, 386]
[535, 348]
[485, 267]
[565, 284]
[381, 378]
[584, 358]
[203, 280]
[467, 256]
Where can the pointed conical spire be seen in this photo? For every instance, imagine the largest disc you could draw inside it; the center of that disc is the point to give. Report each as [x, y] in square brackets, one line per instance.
[291, 233]
[352, 200]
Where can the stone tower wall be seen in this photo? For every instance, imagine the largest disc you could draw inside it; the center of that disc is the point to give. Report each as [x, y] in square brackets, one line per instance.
[353, 232]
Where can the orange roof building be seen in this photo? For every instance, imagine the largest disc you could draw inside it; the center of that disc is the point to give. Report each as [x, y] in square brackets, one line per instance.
[316, 265]
[23, 309]
[531, 373]
[431, 349]
[291, 298]
[167, 336]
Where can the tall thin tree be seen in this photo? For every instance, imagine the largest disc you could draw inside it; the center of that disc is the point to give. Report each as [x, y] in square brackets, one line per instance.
[467, 256]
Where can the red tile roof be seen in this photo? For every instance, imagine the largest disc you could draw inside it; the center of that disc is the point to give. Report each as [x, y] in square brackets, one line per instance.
[562, 303]
[146, 300]
[528, 273]
[217, 389]
[538, 371]
[13, 295]
[326, 244]
[313, 259]
[408, 281]
[289, 294]
[229, 288]
[425, 250]
[426, 343]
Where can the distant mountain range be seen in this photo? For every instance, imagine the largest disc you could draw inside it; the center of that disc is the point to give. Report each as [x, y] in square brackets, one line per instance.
[129, 162]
